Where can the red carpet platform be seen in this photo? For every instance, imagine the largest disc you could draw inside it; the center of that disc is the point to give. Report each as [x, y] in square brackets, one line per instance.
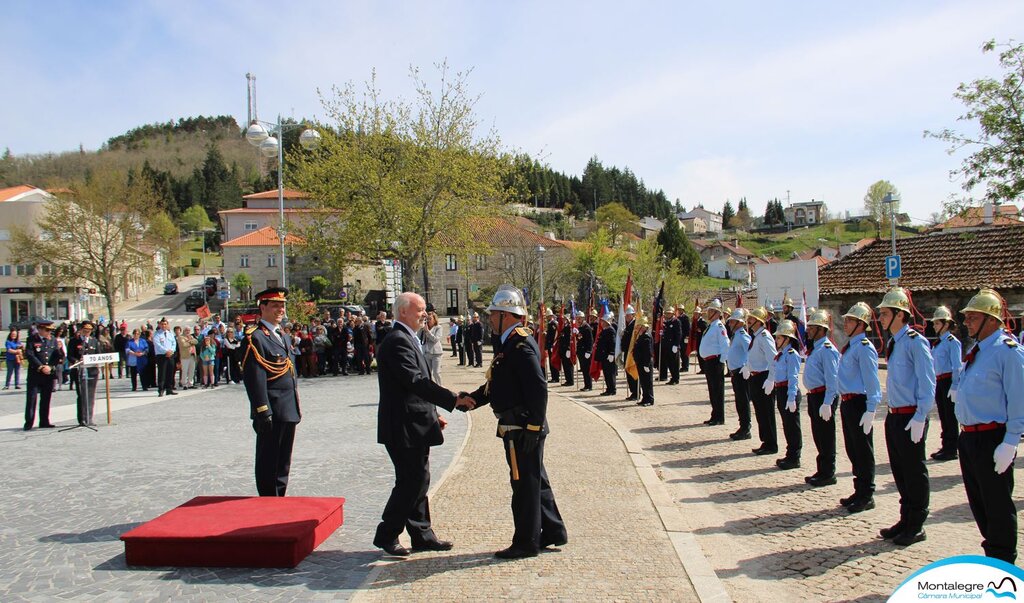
[235, 531]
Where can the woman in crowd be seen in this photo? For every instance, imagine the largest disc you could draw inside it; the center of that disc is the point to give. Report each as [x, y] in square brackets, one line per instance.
[62, 344]
[137, 356]
[232, 360]
[149, 371]
[431, 335]
[15, 353]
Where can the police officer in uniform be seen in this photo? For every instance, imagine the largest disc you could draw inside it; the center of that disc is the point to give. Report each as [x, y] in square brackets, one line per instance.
[698, 334]
[821, 379]
[947, 354]
[606, 353]
[517, 393]
[584, 350]
[270, 383]
[550, 336]
[643, 357]
[860, 392]
[564, 340]
[714, 346]
[910, 383]
[43, 356]
[82, 345]
[671, 336]
[476, 341]
[627, 338]
[684, 334]
[760, 356]
[990, 410]
[739, 349]
[785, 373]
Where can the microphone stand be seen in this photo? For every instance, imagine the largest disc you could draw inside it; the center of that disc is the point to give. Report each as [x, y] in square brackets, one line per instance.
[83, 378]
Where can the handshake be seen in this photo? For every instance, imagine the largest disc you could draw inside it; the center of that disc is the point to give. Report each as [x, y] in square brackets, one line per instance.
[465, 402]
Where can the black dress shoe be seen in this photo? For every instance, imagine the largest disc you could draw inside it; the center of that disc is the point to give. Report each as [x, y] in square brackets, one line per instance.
[763, 451]
[568, 384]
[645, 403]
[433, 545]
[514, 552]
[171, 392]
[739, 435]
[545, 542]
[709, 422]
[631, 399]
[394, 549]
[847, 501]
[586, 389]
[892, 531]
[786, 464]
[819, 481]
[909, 538]
[862, 504]
[676, 382]
[944, 455]
[27, 428]
[47, 426]
[715, 422]
[606, 394]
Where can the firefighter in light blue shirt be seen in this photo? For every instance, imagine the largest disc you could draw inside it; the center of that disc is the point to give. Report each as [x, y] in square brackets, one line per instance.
[786, 375]
[739, 348]
[760, 357]
[947, 356]
[990, 408]
[714, 346]
[821, 379]
[910, 384]
[859, 395]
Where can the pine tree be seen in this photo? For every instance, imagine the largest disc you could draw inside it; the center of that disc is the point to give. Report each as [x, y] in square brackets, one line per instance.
[727, 213]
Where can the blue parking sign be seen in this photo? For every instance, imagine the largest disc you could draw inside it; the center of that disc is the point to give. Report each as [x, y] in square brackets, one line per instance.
[893, 267]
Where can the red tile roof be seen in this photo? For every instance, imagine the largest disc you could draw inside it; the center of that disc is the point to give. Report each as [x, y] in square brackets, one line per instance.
[264, 237]
[12, 192]
[501, 232]
[268, 210]
[272, 194]
[987, 257]
[1005, 214]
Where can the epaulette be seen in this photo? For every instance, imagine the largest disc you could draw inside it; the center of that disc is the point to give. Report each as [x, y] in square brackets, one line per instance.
[827, 344]
[250, 329]
[792, 351]
[950, 337]
[766, 333]
[523, 331]
[865, 341]
[912, 333]
[1010, 343]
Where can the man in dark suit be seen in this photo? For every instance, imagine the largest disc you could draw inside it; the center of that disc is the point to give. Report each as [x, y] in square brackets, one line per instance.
[476, 339]
[671, 336]
[684, 335]
[606, 353]
[627, 338]
[82, 345]
[43, 356]
[584, 349]
[643, 356]
[408, 425]
[271, 386]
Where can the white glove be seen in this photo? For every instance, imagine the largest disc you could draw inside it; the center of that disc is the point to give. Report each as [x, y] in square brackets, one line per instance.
[791, 405]
[611, 358]
[916, 429]
[647, 369]
[745, 371]
[867, 421]
[567, 353]
[769, 386]
[587, 355]
[675, 349]
[825, 412]
[1004, 456]
[952, 395]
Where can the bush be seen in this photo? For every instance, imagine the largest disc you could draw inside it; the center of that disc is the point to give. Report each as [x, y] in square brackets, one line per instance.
[195, 262]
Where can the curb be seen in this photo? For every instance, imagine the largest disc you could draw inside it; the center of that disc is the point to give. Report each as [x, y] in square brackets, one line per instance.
[702, 576]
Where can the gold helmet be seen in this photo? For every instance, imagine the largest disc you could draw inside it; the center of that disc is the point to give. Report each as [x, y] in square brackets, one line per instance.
[896, 299]
[593, 312]
[942, 313]
[820, 318]
[860, 311]
[759, 314]
[670, 310]
[787, 328]
[738, 314]
[697, 310]
[508, 299]
[787, 301]
[643, 322]
[727, 311]
[987, 301]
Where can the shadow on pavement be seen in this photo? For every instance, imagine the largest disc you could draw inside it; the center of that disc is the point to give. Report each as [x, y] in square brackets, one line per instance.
[103, 534]
[772, 524]
[807, 562]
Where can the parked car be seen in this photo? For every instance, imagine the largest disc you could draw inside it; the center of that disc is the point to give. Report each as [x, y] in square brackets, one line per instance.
[195, 300]
[25, 323]
[170, 288]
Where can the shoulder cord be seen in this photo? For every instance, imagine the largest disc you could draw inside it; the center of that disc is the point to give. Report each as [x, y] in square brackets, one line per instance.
[275, 368]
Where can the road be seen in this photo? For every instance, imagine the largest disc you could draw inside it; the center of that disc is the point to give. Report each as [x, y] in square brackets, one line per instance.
[154, 305]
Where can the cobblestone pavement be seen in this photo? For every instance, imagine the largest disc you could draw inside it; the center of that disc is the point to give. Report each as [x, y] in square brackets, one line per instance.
[618, 549]
[69, 496]
[768, 535]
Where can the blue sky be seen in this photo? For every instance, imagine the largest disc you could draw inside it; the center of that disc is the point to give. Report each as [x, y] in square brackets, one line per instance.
[705, 102]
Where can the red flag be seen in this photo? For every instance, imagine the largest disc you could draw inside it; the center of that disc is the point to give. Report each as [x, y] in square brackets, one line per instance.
[658, 313]
[627, 295]
[595, 364]
[573, 333]
[691, 341]
[556, 356]
[542, 326]
[739, 299]
[203, 311]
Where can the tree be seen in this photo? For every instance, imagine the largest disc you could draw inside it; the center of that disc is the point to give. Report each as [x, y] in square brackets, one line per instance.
[727, 213]
[97, 234]
[616, 219]
[163, 234]
[317, 285]
[879, 211]
[997, 109]
[399, 180]
[243, 285]
[772, 213]
[678, 247]
[742, 218]
[195, 219]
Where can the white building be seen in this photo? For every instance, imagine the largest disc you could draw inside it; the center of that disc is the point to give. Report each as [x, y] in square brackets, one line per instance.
[711, 219]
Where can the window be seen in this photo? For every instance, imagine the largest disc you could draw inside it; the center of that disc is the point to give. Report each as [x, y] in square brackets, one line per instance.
[46, 269]
[271, 283]
[5, 235]
[25, 269]
[5, 270]
[452, 300]
[250, 226]
[450, 263]
[510, 261]
[481, 262]
[243, 261]
[271, 261]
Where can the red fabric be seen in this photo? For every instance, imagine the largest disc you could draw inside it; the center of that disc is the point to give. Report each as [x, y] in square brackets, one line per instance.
[235, 531]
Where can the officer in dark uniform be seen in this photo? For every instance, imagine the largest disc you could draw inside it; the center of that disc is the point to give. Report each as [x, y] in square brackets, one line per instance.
[82, 345]
[565, 351]
[273, 393]
[550, 333]
[476, 342]
[605, 353]
[684, 335]
[43, 356]
[584, 350]
[643, 356]
[789, 313]
[627, 338]
[460, 332]
[518, 395]
[671, 336]
[698, 335]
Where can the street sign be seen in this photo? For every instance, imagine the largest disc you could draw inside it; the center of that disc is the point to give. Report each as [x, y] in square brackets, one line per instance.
[93, 359]
[342, 294]
[893, 267]
[223, 294]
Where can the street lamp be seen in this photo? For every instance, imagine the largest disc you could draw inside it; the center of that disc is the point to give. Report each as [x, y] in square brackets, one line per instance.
[203, 232]
[260, 136]
[540, 259]
[892, 199]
